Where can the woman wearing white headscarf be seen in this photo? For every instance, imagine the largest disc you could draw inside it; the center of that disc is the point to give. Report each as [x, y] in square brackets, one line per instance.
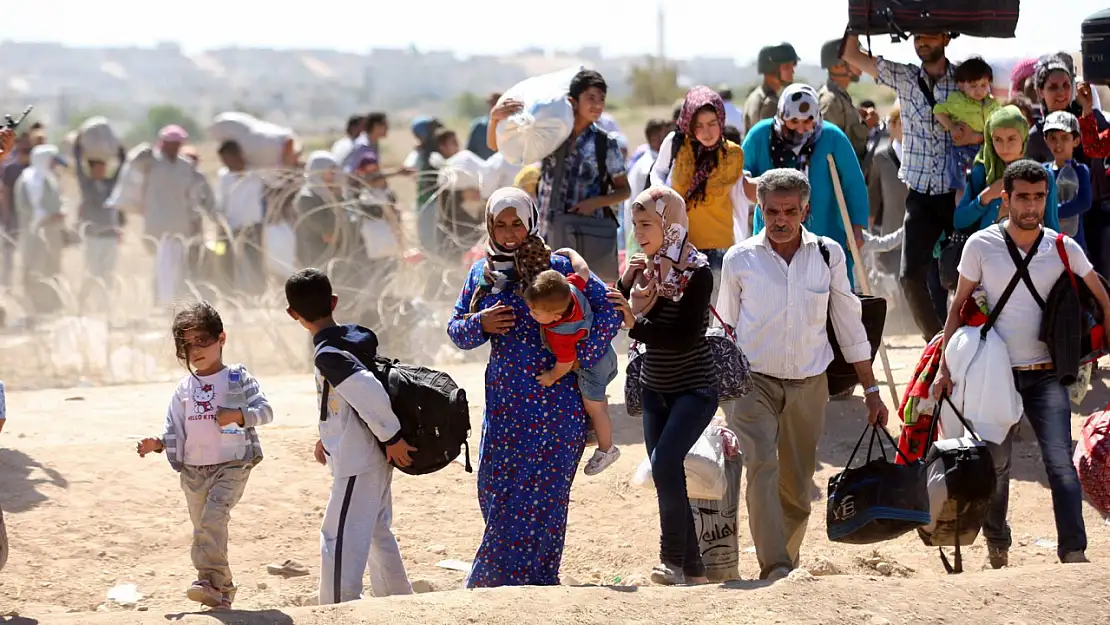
[38, 203]
[318, 225]
[798, 138]
[532, 436]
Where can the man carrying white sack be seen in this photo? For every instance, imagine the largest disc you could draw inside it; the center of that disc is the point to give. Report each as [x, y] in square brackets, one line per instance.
[1019, 296]
[169, 198]
[778, 291]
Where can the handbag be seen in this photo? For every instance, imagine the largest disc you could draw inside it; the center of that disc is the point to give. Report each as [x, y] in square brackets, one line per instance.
[878, 501]
[840, 373]
[960, 481]
[734, 378]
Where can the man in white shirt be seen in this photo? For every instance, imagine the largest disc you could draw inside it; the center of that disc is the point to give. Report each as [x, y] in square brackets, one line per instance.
[240, 202]
[733, 116]
[778, 291]
[988, 262]
[356, 125]
[639, 173]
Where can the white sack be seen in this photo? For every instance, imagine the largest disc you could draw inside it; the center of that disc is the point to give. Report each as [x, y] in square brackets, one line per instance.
[263, 143]
[98, 141]
[462, 171]
[128, 192]
[280, 243]
[704, 464]
[544, 123]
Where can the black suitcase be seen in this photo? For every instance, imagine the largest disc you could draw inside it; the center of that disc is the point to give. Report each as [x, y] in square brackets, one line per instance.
[975, 18]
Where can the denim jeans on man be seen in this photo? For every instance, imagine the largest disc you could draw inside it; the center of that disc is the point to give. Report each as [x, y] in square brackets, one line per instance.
[1048, 408]
[672, 424]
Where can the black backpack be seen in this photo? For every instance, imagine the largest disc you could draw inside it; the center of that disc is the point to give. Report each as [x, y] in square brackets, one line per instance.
[960, 478]
[677, 142]
[432, 410]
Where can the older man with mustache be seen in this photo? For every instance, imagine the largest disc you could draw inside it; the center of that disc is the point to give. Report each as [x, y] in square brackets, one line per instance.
[778, 289]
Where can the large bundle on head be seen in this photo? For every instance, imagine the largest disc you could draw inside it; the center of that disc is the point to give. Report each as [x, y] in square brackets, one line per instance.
[264, 144]
[544, 123]
[974, 18]
[98, 141]
[128, 192]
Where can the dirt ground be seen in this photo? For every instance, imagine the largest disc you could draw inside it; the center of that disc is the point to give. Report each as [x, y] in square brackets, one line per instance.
[85, 513]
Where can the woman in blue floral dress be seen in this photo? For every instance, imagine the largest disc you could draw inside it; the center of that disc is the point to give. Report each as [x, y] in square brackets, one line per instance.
[532, 437]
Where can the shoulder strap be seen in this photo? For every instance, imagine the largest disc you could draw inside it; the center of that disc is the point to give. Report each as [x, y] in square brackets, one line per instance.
[926, 90]
[601, 148]
[558, 196]
[1063, 252]
[1022, 269]
[324, 400]
[824, 251]
[677, 142]
[1023, 264]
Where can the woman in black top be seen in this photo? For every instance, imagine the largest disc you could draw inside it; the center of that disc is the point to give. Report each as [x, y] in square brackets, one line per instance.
[669, 288]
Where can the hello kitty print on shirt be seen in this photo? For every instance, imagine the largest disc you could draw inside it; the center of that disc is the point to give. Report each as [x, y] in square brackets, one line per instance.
[203, 396]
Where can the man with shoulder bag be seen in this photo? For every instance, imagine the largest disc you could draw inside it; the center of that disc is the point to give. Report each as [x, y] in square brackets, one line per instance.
[1017, 263]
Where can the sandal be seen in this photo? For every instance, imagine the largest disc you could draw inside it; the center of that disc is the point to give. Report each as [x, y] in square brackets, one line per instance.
[666, 575]
[289, 568]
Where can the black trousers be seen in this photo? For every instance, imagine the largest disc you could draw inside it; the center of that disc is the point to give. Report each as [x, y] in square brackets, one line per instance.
[927, 218]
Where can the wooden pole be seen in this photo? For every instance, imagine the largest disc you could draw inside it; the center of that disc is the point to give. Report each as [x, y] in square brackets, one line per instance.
[861, 272]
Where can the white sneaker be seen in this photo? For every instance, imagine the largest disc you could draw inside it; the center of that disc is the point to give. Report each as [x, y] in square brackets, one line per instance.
[601, 460]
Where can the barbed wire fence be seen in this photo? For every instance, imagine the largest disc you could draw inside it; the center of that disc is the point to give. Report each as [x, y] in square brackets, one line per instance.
[106, 331]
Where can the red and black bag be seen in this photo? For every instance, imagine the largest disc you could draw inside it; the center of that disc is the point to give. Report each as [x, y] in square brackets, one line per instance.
[975, 18]
[1092, 460]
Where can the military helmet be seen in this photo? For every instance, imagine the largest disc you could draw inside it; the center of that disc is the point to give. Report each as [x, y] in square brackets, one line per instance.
[771, 57]
[830, 53]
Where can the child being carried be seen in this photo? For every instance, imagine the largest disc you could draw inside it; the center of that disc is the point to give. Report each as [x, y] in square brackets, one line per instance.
[971, 106]
[558, 303]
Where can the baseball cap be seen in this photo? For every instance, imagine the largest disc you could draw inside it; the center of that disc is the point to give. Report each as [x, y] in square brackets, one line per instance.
[1062, 120]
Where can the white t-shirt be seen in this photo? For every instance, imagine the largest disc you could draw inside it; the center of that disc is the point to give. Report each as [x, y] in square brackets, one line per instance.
[205, 442]
[241, 198]
[986, 261]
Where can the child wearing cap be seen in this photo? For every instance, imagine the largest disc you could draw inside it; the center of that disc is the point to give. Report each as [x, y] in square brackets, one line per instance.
[1073, 179]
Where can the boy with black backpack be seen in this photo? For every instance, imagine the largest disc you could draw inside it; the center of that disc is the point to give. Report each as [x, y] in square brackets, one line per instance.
[355, 410]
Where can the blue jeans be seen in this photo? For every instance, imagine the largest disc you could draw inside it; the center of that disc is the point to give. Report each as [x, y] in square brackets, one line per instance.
[672, 424]
[1049, 410]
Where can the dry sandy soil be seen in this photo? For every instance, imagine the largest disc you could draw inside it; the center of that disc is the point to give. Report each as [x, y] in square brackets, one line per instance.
[85, 513]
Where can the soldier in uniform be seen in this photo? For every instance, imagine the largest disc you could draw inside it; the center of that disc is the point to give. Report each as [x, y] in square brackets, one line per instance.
[777, 64]
[836, 104]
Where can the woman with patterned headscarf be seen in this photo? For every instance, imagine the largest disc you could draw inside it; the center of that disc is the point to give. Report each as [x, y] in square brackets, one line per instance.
[798, 138]
[707, 172]
[532, 436]
[669, 288]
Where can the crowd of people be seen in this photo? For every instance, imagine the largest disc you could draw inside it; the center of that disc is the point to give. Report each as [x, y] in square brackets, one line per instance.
[756, 225]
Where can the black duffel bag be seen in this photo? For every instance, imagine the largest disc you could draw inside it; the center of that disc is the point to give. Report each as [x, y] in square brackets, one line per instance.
[878, 501]
[975, 18]
[841, 373]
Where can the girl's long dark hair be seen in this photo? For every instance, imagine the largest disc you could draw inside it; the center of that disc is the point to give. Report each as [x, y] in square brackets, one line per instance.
[201, 317]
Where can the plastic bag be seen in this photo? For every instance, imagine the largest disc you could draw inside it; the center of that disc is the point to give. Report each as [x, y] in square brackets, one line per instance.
[378, 238]
[462, 171]
[704, 465]
[264, 144]
[544, 123]
[98, 141]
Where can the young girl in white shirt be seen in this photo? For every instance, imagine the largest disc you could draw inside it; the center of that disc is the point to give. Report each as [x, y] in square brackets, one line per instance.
[210, 439]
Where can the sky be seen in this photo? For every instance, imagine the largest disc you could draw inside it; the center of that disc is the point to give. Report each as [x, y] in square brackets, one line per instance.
[713, 28]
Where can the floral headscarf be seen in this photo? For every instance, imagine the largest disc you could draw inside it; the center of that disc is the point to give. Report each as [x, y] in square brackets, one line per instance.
[791, 149]
[674, 264]
[705, 159]
[1008, 116]
[521, 265]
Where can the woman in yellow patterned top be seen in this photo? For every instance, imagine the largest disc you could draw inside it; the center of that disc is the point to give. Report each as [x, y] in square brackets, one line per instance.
[708, 172]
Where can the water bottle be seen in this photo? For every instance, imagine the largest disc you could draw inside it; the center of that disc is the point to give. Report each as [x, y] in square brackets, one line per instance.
[1067, 188]
[236, 399]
